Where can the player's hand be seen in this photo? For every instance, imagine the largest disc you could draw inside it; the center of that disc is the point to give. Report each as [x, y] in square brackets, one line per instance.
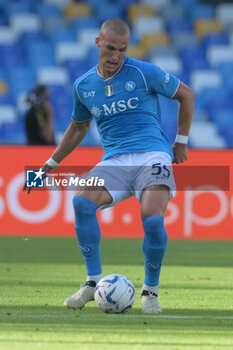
[180, 152]
[46, 168]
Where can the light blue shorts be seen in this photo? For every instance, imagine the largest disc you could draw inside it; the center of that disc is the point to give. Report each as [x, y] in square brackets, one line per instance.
[128, 174]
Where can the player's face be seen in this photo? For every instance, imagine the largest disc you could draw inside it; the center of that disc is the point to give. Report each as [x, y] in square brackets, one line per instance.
[112, 52]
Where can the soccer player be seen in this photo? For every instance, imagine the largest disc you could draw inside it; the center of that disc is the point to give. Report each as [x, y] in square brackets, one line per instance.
[121, 93]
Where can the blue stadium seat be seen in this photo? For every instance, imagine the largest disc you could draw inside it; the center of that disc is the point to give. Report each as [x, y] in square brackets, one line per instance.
[2, 73]
[70, 50]
[84, 22]
[196, 64]
[186, 4]
[8, 36]
[95, 5]
[86, 37]
[182, 40]
[48, 10]
[14, 7]
[211, 94]
[3, 20]
[92, 56]
[62, 103]
[171, 64]
[194, 58]
[7, 114]
[124, 4]
[224, 13]
[204, 134]
[148, 25]
[40, 54]
[222, 118]
[76, 68]
[53, 23]
[217, 54]
[178, 25]
[214, 38]
[21, 80]
[226, 71]
[193, 52]
[218, 105]
[203, 78]
[56, 91]
[102, 12]
[183, 76]
[26, 39]
[156, 51]
[53, 75]
[61, 35]
[13, 133]
[7, 99]
[11, 55]
[201, 11]
[175, 11]
[24, 22]
[228, 136]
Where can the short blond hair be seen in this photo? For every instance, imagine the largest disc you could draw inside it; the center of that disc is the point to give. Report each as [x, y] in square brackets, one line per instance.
[116, 25]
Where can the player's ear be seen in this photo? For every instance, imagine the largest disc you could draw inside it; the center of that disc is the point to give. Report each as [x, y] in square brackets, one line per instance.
[97, 42]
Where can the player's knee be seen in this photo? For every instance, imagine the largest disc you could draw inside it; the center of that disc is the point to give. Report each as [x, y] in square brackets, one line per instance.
[83, 206]
[155, 232]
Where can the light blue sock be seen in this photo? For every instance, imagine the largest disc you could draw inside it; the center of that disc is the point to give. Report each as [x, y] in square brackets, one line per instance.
[154, 248]
[88, 233]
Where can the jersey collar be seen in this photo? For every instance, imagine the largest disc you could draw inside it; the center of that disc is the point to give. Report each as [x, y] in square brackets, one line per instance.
[109, 78]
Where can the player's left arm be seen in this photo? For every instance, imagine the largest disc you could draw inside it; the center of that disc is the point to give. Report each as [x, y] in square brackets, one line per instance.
[185, 97]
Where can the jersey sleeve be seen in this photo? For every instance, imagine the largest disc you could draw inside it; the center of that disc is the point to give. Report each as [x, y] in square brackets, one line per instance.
[161, 82]
[80, 112]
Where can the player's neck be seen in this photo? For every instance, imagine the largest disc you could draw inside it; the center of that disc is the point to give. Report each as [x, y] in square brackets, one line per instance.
[105, 75]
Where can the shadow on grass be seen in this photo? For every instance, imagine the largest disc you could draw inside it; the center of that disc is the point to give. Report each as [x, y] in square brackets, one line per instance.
[108, 343]
[39, 285]
[35, 313]
[114, 251]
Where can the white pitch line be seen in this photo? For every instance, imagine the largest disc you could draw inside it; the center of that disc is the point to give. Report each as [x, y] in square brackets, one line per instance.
[125, 316]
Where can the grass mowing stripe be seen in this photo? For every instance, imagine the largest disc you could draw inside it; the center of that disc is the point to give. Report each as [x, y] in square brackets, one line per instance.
[37, 275]
[125, 316]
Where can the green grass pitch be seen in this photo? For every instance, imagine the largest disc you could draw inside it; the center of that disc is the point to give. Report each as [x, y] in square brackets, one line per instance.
[37, 274]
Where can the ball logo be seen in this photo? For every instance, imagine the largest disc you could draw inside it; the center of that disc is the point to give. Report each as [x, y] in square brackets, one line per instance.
[130, 85]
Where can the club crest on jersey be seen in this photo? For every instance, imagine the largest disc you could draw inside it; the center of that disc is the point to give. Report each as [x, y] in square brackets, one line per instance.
[108, 90]
[130, 85]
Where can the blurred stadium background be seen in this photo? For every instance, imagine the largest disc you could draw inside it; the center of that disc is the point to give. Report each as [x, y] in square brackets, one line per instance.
[52, 42]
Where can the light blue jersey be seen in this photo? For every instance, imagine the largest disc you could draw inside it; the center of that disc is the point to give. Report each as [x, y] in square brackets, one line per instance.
[126, 106]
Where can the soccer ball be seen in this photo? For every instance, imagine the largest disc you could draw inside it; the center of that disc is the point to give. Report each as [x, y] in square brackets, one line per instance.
[115, 294]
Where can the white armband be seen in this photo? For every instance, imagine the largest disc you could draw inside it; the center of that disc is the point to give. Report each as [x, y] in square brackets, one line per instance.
[181, 139]
[52, 163]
